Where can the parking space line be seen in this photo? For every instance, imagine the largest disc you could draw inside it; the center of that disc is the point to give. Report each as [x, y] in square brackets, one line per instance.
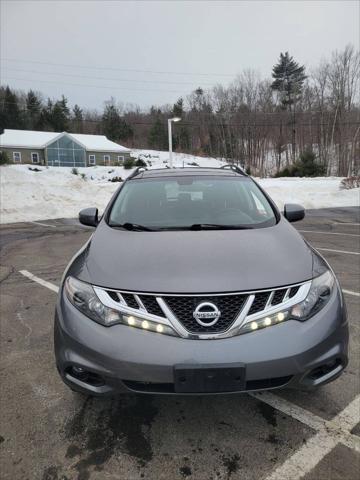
[331, 233]
[352, 441]
[40, 281]
[349, 417]
[43, 224]
[350, 292]
[305, 459]
[290, 409]
[337, 251]
[328, 436]
[345, 223]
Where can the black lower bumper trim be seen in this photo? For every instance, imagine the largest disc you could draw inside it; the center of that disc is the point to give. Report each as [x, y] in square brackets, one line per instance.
[150, 387]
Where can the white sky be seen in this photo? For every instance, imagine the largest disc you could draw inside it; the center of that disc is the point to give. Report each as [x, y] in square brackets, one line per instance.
[216, 38]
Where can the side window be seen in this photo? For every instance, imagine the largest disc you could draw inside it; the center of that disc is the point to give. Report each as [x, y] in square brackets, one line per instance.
[17, 157]
[34, 157]
[92, 160]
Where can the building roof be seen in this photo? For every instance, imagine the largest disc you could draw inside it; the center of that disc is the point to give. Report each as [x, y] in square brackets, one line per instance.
[34, 139]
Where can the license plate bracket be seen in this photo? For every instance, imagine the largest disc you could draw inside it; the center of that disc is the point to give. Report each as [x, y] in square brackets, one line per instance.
[209, 378]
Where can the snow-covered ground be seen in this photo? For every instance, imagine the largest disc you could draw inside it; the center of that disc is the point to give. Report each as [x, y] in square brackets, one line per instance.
[55, 192]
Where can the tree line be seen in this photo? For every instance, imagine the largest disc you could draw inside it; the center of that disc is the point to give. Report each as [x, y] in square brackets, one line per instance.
[263, 124]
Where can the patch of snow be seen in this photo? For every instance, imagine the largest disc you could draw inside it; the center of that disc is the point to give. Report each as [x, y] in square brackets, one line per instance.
[318, 192]
[54, 192]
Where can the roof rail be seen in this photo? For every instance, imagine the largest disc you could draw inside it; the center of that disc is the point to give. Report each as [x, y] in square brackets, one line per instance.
[234, 168]
[229, 166]
[136, 172]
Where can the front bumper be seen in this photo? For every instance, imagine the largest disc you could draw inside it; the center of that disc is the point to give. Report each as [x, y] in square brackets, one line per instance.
[122, 359]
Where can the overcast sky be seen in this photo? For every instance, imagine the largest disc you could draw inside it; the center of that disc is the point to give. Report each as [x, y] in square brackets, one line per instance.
[147, 52]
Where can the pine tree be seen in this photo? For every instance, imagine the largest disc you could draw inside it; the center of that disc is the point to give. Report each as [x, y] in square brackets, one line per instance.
[33, 111]
[60, 116]
[46, 115]
[77, 119]
[115, 127]
[125, 131]
[157, 138]
[178, 108]
[10, 116]
[289, 78]
[181, 136]
[110, 121]
[56, 116]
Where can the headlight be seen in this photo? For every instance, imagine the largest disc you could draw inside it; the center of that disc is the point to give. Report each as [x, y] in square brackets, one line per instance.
[316, 299]
[84, 298]
[319, 294]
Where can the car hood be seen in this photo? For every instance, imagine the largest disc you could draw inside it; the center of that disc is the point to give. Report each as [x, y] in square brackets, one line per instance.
[207, 261]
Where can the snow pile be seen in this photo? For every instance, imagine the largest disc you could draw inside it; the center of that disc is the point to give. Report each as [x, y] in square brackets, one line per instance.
[159, 159]
[321, 192]
[51, 193]
[55, 192]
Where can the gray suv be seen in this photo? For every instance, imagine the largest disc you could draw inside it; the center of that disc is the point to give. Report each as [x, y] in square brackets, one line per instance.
[194, 283]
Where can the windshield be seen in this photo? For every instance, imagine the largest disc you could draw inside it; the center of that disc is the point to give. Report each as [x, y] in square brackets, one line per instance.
[191, 202]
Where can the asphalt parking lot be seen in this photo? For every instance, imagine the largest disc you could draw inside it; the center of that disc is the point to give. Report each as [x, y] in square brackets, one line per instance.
[48, 432]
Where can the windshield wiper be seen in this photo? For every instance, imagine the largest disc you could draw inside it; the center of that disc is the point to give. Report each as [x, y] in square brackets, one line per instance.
[215, 226]
[131, 226]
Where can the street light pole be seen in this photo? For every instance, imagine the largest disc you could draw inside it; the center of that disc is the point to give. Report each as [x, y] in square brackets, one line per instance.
[170, 120]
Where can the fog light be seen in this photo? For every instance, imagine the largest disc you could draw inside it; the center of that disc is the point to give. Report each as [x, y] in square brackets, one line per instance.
[254, 326]
[145, 324]
[78, 370]
[131, 321]
[78, 373]
[159, 328]
[267, 321]
[280, 316]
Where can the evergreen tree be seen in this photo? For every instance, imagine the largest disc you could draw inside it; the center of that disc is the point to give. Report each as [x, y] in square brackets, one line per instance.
[157, 138]
[46, 115]
[115, 127]
[33, 111]
[10, 114]
[178, 108]
[126, 131]
[56, 116]
[181, 136]
[60, 116]
[289, 78]
[77, 119]
[110, 121]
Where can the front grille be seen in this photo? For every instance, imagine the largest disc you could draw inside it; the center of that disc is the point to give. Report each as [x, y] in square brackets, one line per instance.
[130, 300]
[183, 308]
[293, 291]
[151, 305]
[278, 297]
[259, 302]
[113, 295]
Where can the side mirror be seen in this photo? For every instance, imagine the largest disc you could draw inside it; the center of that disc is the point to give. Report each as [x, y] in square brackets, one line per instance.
[294, 212]
[89, 216]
